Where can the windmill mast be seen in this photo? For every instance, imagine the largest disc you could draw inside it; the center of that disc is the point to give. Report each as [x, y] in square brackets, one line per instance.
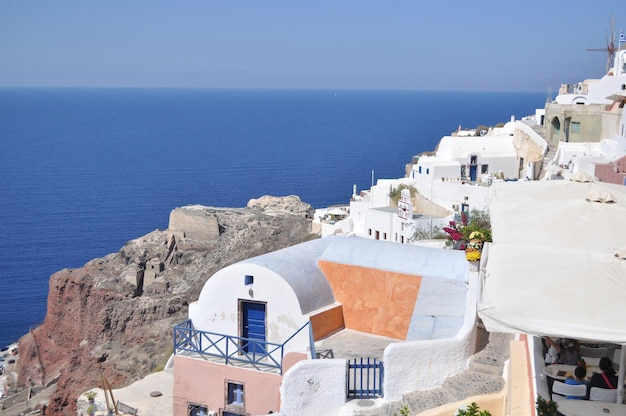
[610, 44]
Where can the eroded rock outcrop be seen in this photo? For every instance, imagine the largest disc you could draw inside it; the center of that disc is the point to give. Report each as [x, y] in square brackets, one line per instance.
[99, 322]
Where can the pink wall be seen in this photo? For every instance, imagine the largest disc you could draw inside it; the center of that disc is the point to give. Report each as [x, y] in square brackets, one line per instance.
[607, 172]
[203, 382]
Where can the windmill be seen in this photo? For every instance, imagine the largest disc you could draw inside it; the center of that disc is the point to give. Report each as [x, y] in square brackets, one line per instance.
[610, 43]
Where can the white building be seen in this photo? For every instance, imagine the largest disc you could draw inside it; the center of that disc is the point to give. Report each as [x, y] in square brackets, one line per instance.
[250, 337]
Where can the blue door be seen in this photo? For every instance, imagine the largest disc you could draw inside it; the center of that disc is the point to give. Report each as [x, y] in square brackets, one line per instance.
[473, 173]
[253, 326]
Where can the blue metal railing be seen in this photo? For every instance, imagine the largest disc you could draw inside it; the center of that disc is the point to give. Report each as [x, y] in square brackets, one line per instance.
[232, 350]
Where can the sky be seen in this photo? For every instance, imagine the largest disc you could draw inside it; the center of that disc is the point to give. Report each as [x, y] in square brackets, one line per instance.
[481, 45]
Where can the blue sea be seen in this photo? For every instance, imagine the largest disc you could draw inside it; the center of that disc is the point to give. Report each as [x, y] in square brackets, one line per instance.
[82, 171]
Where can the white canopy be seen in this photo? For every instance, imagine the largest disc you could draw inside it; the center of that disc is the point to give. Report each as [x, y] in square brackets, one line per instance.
[552, 269]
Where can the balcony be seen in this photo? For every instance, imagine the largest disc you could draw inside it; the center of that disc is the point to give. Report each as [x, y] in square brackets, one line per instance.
[232, 350]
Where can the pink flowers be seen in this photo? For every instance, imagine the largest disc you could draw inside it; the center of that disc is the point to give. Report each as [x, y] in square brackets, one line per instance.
[453, 232]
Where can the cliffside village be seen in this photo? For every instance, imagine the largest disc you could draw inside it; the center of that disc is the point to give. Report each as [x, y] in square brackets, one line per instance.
[378, 317]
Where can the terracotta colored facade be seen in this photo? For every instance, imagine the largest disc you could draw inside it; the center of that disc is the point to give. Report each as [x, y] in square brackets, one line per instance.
[327, 322]
[374, 301]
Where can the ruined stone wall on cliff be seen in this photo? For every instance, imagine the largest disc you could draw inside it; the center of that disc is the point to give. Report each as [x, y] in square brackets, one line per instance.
[98, 322]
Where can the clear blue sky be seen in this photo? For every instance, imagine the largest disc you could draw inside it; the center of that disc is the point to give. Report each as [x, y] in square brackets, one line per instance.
[438, 45]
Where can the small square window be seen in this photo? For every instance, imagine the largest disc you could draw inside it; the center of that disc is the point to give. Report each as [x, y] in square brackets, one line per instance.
[249, 280]
[194, 409]
[234, 394]
[576, 127]
[484, 169]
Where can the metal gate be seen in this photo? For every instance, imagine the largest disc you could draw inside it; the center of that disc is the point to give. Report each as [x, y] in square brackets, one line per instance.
[365, 378]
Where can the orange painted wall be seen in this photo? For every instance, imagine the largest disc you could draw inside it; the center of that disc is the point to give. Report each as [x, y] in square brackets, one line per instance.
[374, 301]
[327, 322]
[203, 382]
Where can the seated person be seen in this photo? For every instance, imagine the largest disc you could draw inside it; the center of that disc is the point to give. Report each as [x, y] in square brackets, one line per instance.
[570, 352]
[579, 378]
[607, 379]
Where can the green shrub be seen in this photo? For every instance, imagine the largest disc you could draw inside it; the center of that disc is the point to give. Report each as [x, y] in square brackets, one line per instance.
[472, 410]
[394, 193]
[546, 407]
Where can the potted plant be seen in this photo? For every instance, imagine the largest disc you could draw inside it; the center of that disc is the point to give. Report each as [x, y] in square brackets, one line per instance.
[91, 395]
[472, 410]
[546, 407]
[91, 410]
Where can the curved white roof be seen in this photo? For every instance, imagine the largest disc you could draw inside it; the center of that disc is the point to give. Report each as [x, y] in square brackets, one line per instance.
[394, 257]
[488, 146]
[297, 265]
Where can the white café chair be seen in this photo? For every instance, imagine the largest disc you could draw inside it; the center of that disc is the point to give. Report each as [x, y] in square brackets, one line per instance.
[593, 352]
[591, 361]
[560, 390]
[603, 395]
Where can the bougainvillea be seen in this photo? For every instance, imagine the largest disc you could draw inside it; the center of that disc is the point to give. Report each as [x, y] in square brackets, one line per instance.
[469, 234]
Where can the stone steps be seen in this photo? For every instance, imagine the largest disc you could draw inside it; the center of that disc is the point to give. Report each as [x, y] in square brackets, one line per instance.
[484, 376]
[546, 160]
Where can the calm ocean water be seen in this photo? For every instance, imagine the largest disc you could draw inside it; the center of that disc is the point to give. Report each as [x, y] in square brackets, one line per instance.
[82, 171]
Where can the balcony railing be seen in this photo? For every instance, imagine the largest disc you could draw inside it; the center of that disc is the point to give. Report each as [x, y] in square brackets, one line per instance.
[232, 350]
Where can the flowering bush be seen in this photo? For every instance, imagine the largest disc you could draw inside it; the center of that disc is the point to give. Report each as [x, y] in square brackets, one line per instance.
[472, 254]
[470, 234]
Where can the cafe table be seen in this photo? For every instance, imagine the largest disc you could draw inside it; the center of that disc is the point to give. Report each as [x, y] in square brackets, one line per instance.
[590, 408]
[563, 371]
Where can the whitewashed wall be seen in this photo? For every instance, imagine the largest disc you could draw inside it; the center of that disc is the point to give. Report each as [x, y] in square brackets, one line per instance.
[313, 388]
[424, 365]
[217, 307]
[382, 221]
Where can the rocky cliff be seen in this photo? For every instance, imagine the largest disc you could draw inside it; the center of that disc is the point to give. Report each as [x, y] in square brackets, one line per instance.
[114, 316]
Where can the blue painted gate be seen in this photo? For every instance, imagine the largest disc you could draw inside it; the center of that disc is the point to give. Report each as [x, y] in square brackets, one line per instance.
[253, 327]
[365, 378]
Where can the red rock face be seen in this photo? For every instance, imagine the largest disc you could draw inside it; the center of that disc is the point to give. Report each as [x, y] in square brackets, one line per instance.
[98, 323]
[85, 326]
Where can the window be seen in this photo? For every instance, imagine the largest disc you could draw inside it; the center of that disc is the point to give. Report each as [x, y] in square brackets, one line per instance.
[473, 160]
[369, 231]
[462, 171]
[194, 409]
[576, 127]
[385, 236]
[234, 394]
[419, 170]
[484, 168]
[234, 398]
[428, 171]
